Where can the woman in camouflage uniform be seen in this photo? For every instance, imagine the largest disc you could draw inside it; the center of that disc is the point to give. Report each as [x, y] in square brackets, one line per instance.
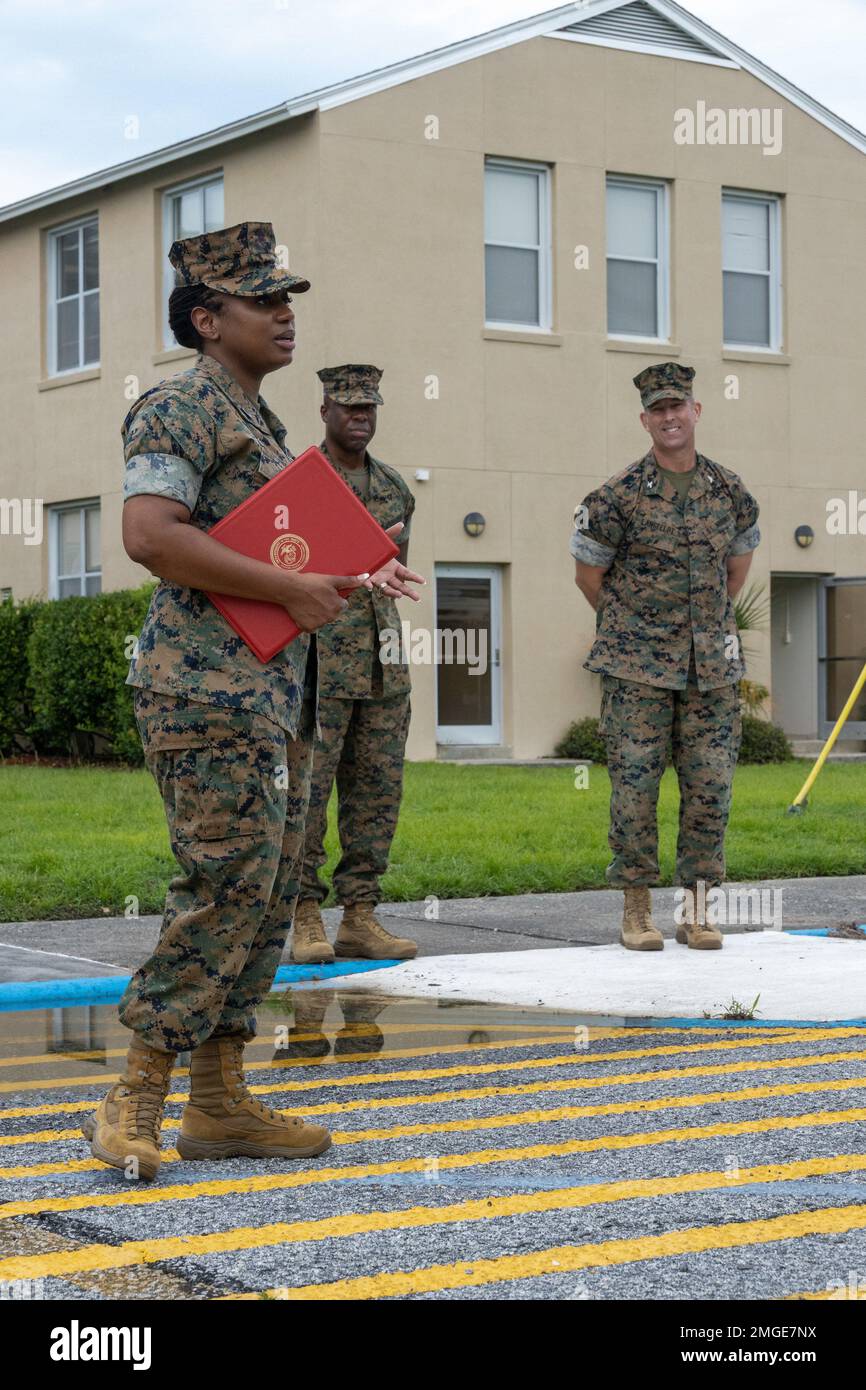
[228, 738]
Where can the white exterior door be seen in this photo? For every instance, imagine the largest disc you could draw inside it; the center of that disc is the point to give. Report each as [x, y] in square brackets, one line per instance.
[468, 684]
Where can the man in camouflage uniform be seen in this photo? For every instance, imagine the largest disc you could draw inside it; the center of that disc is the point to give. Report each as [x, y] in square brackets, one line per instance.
[227, 737]
[661, 550]
[363, 704]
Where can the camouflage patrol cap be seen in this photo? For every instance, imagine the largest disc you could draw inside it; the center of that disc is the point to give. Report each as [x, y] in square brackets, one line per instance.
[664, 381]
[352, 384]
[237, 260]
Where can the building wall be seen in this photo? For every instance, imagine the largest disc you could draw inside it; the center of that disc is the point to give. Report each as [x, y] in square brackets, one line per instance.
[388, 225]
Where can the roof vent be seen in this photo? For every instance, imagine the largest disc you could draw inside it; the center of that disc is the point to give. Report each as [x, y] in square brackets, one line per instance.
[639, 26]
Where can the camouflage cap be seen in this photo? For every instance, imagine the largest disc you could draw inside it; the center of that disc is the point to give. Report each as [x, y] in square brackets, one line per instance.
[352, 384]
[237, 260]
[664, 381]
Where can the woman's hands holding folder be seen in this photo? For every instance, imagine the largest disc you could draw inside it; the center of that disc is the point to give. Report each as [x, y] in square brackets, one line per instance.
[391, 578]
[315, 599]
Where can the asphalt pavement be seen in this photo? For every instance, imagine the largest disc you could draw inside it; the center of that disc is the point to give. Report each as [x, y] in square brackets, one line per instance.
[479, 1152]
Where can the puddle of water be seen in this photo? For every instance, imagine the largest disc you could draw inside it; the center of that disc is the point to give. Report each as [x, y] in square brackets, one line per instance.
[293, 1025]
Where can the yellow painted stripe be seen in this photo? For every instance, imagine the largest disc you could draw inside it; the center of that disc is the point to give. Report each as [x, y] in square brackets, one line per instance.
[483, 1092]
[843, 1295]
[142, 1252]
[544, 1115]
[481, 1157]
[581, 1112]
[567, 1259]
[485, 1068]
[52, 1083]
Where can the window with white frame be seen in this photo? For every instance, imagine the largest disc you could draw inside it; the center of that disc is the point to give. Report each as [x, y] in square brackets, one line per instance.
[638, 273]
[751, 270]
[75, 563]
[517, 276]
[188, 210]
[73, 297]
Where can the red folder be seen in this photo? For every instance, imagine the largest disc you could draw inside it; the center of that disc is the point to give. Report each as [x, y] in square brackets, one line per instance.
[305, 518]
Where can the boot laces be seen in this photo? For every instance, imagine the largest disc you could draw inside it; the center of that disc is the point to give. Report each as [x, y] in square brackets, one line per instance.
[146, 1113]
[147, 1102]
[241, 1092]
[372, 924]
[310, 932]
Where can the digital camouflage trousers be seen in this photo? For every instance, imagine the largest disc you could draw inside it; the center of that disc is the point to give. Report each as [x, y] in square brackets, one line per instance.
[640, 723]
[362, 749]
[235, 789]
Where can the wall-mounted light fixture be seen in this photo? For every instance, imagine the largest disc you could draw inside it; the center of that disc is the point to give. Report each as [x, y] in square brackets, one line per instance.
[804, 536]
[474, 523]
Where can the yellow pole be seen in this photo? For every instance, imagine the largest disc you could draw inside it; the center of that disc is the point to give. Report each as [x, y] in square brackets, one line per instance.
[800, 799]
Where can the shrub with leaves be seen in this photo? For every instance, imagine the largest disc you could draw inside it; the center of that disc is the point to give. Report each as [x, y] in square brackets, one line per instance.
[16, 695]
[78, 656]
[764, 742]
[582, 740]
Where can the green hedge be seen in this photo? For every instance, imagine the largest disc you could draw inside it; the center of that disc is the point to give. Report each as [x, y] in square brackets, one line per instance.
[582, 740]
[762, 742]
[16, 695]
[72, 657]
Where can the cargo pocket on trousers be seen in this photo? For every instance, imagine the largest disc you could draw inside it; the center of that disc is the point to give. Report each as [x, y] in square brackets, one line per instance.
[220, 794]
[736, 722]
[605, 718]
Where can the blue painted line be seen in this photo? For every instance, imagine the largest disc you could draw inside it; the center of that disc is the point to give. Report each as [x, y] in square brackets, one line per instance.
[814, 931]
[108, 989]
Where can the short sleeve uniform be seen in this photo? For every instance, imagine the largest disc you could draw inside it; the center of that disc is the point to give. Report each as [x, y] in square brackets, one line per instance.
[200, 440]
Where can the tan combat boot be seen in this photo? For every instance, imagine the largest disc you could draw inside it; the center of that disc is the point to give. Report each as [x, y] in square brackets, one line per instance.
[639, 931]
[222, 1120]
[310, 946]
[696, 931]
[362, 936]
[124, 1130]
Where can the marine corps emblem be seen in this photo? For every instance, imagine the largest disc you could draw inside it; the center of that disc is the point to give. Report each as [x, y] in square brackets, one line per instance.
[290, 552]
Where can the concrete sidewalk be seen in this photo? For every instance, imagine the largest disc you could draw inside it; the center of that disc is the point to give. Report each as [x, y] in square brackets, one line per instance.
[465, 926]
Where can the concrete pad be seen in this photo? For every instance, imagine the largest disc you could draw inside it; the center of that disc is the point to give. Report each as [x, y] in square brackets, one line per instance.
[802, 978]
[21, 964]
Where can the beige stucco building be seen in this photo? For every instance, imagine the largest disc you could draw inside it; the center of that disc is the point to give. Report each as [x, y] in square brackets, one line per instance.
[512, 228]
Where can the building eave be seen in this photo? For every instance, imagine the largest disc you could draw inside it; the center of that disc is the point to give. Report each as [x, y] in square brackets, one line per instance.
[368, 84]
[168, 154]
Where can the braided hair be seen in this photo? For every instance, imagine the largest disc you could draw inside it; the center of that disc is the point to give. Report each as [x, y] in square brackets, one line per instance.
[181, 302]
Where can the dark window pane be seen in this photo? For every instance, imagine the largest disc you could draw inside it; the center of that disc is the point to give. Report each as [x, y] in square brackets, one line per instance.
[189, 214]
[91, 257]
[93, 585]
[213, 207]
[91, 327]
[67, 264]
[846, 647]
[463, 611]
[67, 335]
[68, 588]
[747, 309]
[91, 539]
[69, 543]
[632, 298]
[511, 279]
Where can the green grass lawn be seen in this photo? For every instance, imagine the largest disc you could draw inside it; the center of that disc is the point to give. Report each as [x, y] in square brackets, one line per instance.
[77, 842]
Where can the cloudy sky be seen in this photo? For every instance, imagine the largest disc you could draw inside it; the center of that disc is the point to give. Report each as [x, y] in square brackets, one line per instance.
[72, 72]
